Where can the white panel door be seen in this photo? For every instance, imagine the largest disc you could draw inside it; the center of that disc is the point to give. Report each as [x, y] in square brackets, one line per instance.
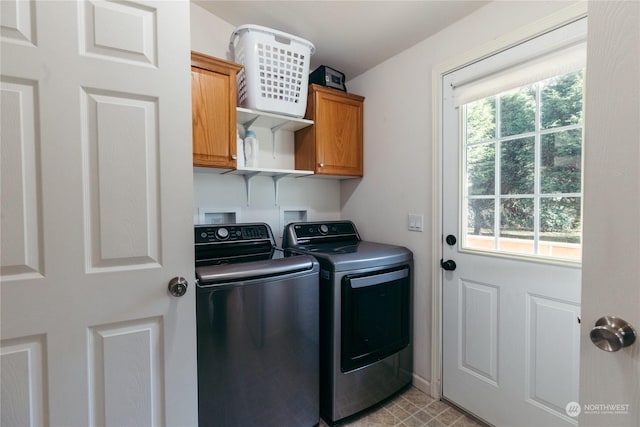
[510, 312]
[610, 382]
[96, 215]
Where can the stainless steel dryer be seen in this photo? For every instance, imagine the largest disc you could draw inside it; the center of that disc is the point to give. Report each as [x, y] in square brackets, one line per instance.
[257, 327]
[366, 352]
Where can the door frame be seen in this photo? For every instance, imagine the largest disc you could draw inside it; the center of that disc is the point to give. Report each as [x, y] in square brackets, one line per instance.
[502, 43]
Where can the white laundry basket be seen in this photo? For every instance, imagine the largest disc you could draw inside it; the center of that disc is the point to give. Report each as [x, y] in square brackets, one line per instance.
[275, 76]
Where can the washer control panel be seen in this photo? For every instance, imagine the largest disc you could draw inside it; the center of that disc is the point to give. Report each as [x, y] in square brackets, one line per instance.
[231, 233]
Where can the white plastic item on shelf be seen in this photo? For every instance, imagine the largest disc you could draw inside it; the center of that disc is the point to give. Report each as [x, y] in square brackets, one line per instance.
[239, 151]
[251, 149]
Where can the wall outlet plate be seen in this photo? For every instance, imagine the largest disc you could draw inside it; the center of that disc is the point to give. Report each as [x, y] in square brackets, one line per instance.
[289, 214]
[218, 215]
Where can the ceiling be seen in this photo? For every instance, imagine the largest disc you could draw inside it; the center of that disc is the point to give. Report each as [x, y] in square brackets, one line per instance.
[350, 36]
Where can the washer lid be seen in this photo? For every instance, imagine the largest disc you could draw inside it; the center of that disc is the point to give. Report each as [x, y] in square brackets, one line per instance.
[213, 275]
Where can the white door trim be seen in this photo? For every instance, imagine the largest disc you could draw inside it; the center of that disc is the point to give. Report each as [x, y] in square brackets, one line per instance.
[555, 20]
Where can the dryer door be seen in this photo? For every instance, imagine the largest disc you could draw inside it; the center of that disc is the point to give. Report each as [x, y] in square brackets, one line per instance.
[375, 316]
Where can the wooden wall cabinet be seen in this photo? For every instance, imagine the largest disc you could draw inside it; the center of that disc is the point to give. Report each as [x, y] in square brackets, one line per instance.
[213, 99]
[333, 145]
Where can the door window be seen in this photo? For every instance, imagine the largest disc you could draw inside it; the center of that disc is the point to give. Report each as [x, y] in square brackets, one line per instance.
[522, 160]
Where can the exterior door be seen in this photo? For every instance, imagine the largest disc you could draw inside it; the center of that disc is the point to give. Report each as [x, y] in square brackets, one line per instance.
[512, 198]
[96, 215]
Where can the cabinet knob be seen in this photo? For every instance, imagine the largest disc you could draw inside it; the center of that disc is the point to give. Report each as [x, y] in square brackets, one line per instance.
[234, 156]
[321, 165]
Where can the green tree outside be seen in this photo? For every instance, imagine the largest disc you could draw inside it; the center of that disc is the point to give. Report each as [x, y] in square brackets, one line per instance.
[511, 153]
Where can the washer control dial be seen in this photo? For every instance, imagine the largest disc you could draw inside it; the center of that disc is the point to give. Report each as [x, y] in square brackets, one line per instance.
[324, 229]
[222, 233]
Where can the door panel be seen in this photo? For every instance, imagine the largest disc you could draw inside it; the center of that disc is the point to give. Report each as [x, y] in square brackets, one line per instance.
[125, 365]
[478, 334]
[135, 40]
[23, 379]
[552, 348]
[96, 215]
[121, 167]
[20, 221]
[18, 22]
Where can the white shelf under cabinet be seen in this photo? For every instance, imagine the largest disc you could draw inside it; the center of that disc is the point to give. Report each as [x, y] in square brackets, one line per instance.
[275, 122]
[275, 174]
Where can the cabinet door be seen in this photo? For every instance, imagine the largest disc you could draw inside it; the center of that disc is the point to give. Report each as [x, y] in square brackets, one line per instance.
[213, 108]
[338, 128]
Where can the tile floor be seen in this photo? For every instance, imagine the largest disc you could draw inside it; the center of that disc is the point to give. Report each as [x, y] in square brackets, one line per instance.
[413, 408]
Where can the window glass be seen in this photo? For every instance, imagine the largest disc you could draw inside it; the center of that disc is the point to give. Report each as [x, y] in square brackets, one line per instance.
[481, 169]
[561, 99]
[516, 225]
[523, 157]
[517, 158]
[518, 111]
[481, 123]
[561, 161]
[560, 219]
[480, 218]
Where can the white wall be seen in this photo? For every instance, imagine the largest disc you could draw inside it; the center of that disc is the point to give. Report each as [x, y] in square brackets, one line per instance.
[209, 34]
[398, 147]
[321, 197]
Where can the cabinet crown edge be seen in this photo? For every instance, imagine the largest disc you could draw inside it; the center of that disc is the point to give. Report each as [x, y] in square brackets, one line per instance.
[201, 60]
[319, 88]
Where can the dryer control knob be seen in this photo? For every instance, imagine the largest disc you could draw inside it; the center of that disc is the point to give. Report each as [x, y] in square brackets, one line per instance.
[324, 229]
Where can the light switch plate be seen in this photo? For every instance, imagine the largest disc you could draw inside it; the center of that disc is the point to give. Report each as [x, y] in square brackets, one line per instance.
[416, 222]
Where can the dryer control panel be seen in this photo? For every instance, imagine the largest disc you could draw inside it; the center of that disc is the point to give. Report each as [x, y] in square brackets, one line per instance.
[308, 232]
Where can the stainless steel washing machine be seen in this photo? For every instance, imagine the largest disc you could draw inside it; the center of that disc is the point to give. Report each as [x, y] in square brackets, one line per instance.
[257, 328]
[366, 352]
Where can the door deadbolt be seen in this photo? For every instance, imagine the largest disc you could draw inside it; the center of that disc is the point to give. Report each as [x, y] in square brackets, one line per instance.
[178, 286]
[612, 333]
[451, 240]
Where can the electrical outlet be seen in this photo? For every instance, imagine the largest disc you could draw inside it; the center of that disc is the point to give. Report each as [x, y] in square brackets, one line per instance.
[416, 222]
